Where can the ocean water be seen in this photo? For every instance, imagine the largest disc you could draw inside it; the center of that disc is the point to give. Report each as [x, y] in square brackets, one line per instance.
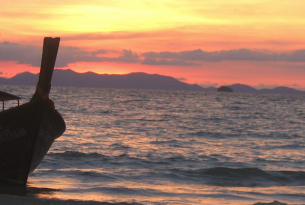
[170, 147]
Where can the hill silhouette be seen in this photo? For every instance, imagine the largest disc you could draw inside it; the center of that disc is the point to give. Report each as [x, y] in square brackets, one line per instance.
[90, 79]
[131, 81]
[241, 88]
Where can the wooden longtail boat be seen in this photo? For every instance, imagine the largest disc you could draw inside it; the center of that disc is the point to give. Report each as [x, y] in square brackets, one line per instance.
[28, 131]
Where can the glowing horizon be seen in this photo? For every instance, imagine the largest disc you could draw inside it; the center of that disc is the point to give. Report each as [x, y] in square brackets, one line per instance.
[259, 43]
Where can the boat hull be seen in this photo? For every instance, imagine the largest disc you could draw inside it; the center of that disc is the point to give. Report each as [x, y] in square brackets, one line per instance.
[26, 134]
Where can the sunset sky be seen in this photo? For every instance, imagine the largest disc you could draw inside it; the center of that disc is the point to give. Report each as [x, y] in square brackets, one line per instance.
[211, 43]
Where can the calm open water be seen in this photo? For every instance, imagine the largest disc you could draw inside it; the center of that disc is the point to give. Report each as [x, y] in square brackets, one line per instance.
[172, 147]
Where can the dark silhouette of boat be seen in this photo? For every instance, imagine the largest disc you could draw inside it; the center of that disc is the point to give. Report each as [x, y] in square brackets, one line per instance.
[28, 131]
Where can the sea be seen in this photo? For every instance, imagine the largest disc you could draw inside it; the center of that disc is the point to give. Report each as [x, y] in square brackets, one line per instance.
[156, 147]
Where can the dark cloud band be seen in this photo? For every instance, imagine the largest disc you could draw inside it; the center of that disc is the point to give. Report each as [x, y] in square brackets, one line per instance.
[24, 54]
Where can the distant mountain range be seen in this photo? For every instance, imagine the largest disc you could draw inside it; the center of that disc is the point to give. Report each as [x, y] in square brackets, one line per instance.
[131, 81]
[70, 78]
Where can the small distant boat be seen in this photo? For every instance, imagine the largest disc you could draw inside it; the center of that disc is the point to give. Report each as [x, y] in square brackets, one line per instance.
[28, 131]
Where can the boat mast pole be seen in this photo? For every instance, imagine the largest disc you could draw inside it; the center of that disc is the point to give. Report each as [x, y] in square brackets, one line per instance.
[49, 54]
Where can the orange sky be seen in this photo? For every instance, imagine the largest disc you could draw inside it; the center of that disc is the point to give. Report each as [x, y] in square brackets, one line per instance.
[213, 42]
